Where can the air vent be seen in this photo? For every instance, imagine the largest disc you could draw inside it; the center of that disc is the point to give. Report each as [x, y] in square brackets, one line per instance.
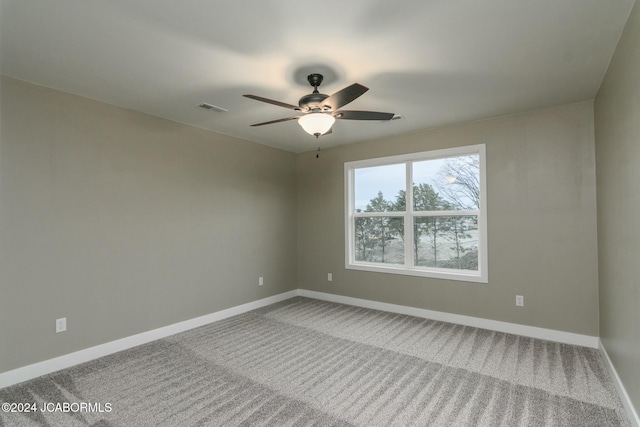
[208, 106]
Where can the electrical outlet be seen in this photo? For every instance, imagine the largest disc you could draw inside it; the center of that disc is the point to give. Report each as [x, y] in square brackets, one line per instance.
[61, 325]
[520, 300]
[329, 277]
[260, 281]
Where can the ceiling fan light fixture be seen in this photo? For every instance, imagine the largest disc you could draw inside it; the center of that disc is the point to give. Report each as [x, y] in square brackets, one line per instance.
[316, 124]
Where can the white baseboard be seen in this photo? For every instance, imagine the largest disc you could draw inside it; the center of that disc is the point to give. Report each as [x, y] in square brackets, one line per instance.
[494, 325]
[52, 365]
[622, 392]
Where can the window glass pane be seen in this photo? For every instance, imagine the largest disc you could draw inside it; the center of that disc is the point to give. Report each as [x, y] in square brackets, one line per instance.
[380, 188]
[446, 242]
[452, 183]
[379, 239]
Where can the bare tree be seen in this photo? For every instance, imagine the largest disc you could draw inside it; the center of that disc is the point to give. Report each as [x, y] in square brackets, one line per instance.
[459, 181]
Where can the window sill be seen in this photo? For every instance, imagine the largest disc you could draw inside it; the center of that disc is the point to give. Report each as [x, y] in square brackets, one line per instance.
[435, 273]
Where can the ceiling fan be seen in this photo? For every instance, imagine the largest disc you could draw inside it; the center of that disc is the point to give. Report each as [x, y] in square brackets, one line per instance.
[318, 112]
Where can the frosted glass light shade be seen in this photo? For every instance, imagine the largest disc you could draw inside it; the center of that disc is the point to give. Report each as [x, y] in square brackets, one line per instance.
[316, 123]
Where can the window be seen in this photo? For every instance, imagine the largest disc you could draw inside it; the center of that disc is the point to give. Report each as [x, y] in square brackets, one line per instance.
[420, 214]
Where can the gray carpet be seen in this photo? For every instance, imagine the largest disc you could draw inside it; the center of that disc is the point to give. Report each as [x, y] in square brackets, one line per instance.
[309, 362]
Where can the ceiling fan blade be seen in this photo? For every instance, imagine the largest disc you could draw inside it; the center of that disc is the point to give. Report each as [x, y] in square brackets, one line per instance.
[277, 121]
[362, 115]
[344, 96]
[272, 101]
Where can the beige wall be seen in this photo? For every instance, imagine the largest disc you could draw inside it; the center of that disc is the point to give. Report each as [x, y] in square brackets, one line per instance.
[541, 222]
[123, 222]
[617, 124]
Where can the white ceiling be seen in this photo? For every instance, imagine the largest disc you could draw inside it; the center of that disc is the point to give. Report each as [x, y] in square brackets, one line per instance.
[434, 62]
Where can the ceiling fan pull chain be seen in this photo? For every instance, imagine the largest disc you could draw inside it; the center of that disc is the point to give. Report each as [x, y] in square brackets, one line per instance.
[318, 153]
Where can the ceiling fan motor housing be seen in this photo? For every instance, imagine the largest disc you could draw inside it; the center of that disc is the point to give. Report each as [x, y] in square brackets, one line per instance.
[312, 101]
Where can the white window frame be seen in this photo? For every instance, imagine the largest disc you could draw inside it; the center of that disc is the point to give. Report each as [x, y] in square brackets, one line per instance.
[480, 276]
